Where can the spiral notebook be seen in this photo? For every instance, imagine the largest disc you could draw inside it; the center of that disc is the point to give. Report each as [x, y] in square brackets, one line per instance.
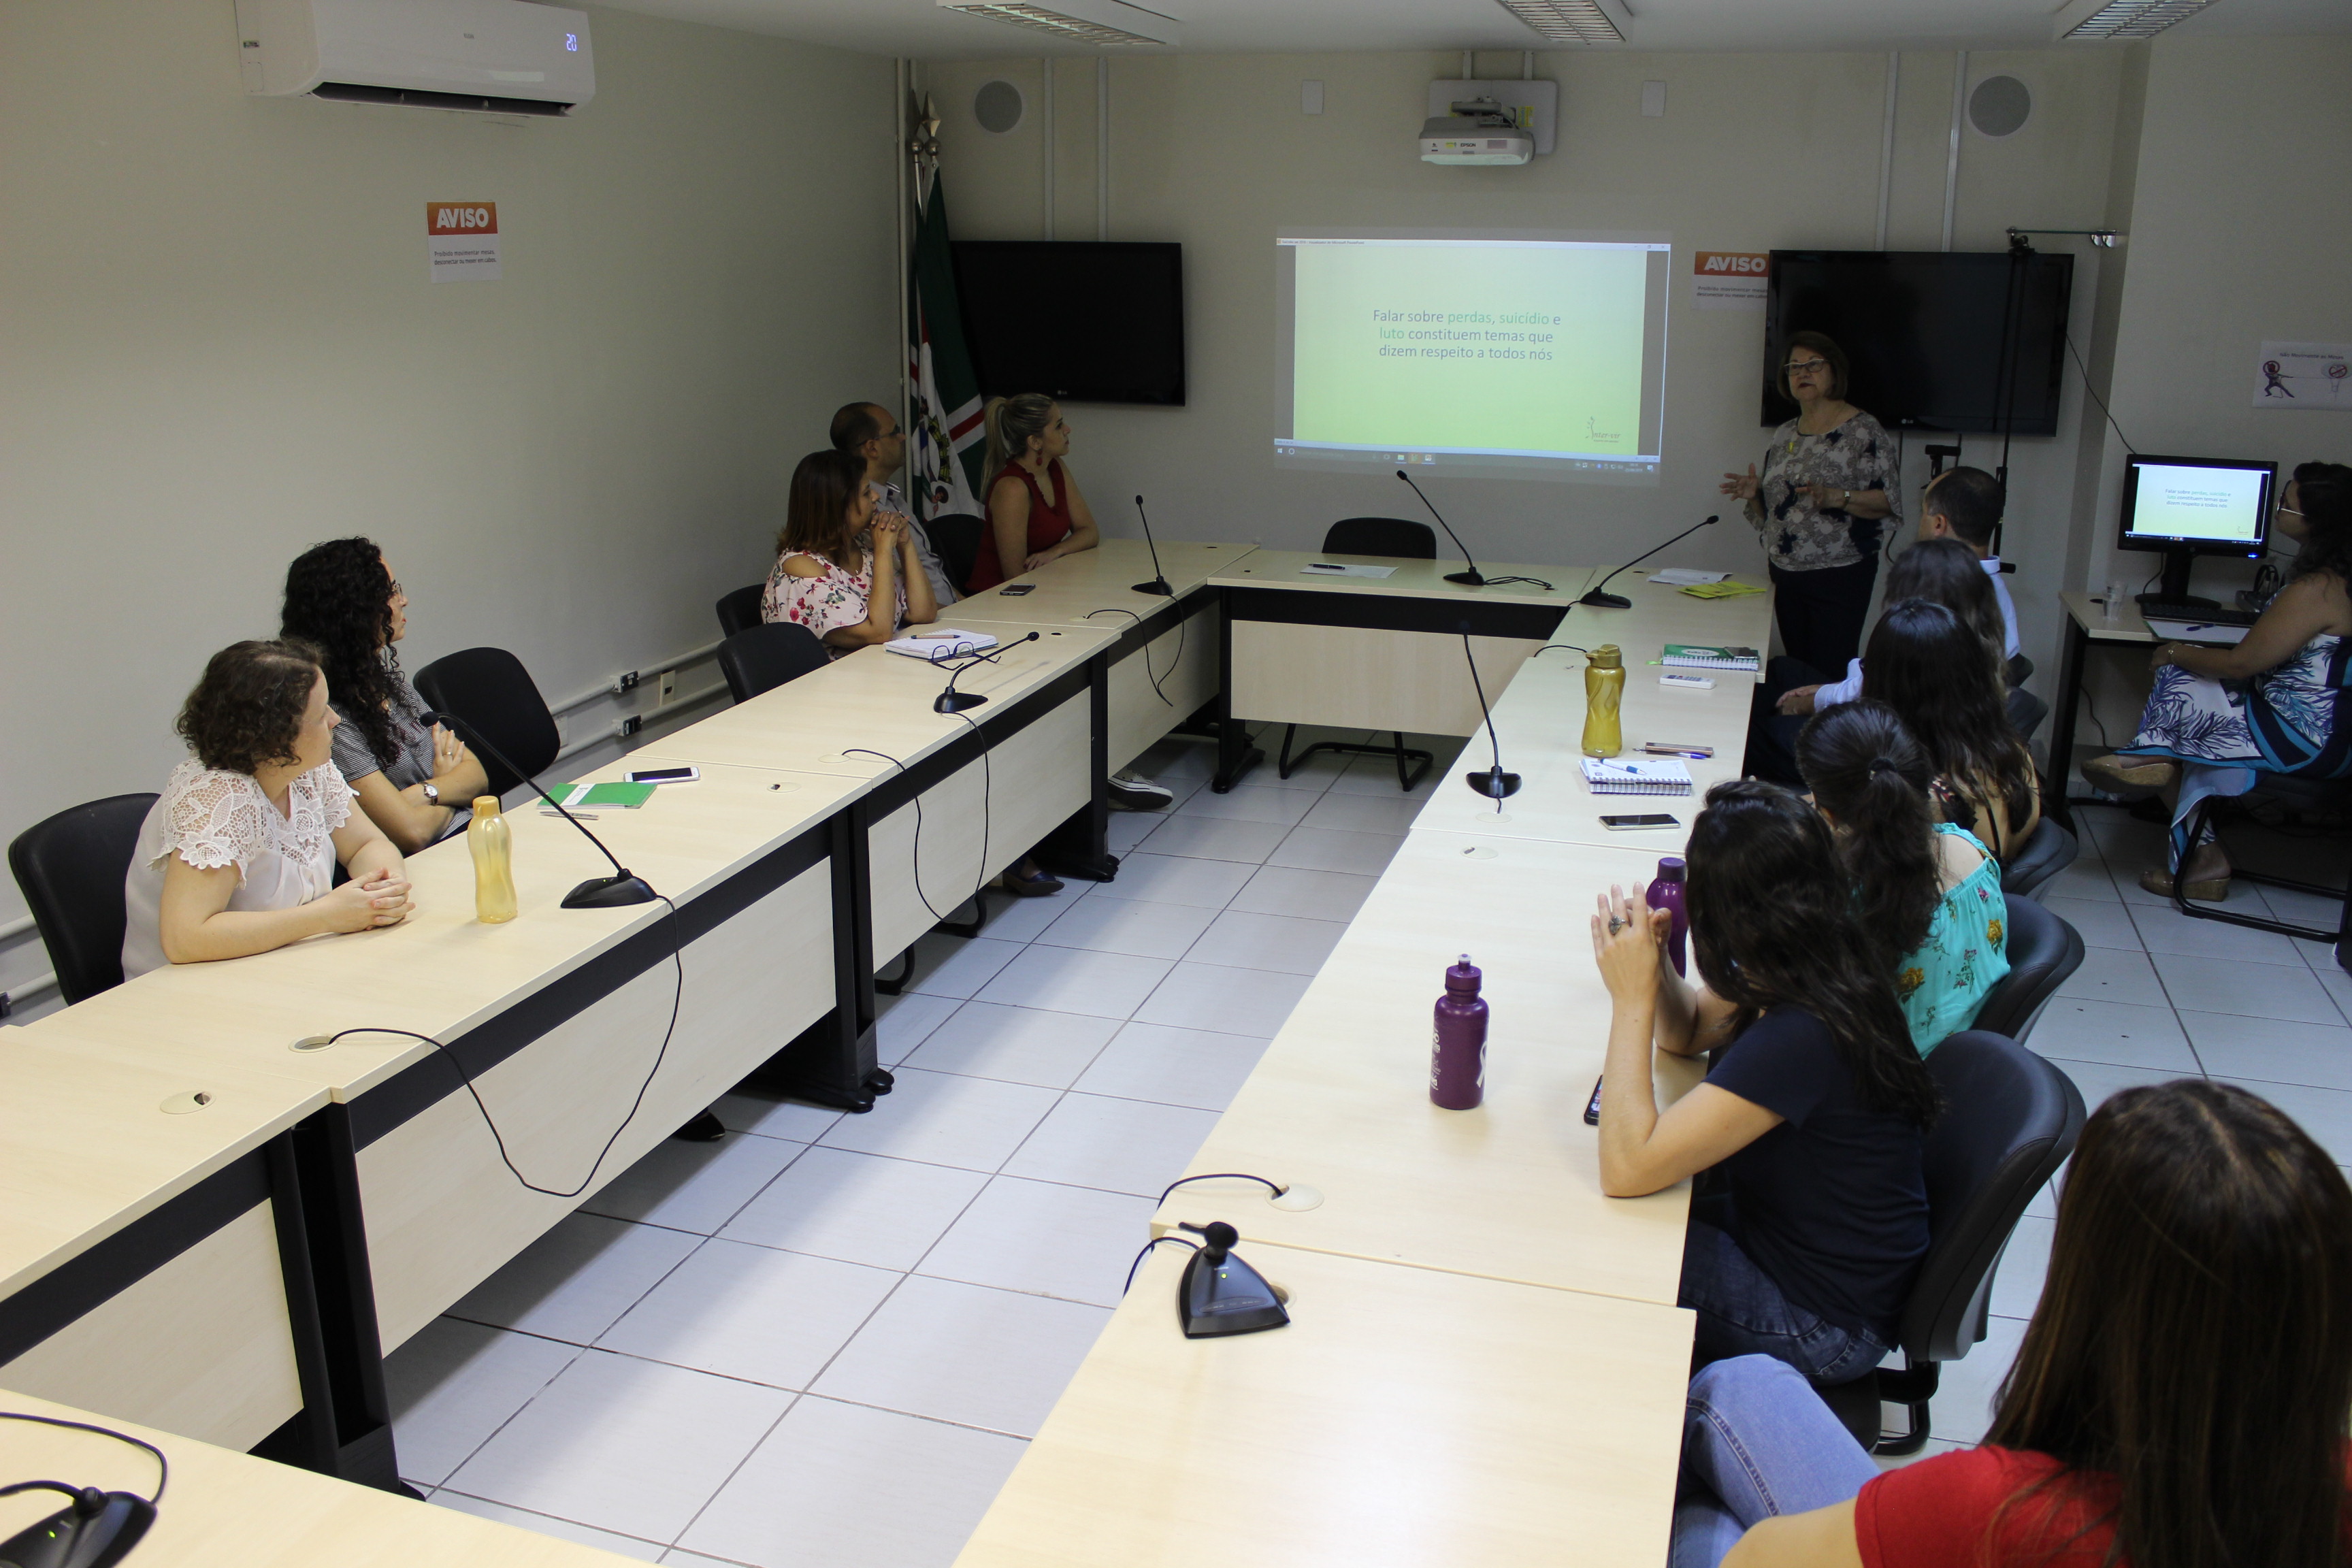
[1687, 655]
[1637, 775]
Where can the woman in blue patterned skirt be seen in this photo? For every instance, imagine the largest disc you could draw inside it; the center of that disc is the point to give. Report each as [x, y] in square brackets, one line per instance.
[2220, 717]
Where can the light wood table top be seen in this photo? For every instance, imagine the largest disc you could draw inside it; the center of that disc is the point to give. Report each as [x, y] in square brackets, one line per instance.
[1340, 1099]
[1402, 1418]
[2091, 615]
[442, 971]
[1416, 579]
[87, 1146]
[1074, 588]
[226, 1510]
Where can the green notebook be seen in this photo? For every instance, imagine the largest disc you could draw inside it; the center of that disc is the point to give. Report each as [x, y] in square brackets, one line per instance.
[588, 797]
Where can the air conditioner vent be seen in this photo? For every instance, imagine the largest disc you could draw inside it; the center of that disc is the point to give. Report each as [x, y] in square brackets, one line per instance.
[418, 97]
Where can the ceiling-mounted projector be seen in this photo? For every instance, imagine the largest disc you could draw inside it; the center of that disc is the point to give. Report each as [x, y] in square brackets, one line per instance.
[1479, 130]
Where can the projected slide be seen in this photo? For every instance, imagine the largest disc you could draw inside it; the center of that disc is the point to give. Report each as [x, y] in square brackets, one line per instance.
[2185, 502]
[1499, 354]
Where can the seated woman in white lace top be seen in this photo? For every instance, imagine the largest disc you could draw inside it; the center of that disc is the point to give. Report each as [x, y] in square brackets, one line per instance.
[852, 577]
[238, 855]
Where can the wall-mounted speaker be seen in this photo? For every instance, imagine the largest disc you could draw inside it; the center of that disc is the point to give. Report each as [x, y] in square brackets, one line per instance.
[997, 106]
[1999, 106]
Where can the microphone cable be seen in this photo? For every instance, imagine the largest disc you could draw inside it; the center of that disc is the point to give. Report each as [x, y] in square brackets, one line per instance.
[1182, 625]
[162, 1464]
[677, 958]
[1147, 1246]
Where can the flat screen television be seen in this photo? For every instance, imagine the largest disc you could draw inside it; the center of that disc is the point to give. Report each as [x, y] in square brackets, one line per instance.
[1923, 332]
[1080, 321]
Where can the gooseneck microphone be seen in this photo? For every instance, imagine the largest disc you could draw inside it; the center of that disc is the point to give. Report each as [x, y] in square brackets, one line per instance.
[623, 887]
[951, 701]
[1493, 783]
[1600, 601]
[1473, 577]
[1158, 584]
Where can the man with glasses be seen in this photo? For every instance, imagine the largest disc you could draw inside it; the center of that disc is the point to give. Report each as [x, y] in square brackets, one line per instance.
[870, 431]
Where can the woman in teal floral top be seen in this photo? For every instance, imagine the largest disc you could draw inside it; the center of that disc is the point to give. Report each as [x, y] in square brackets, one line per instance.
[1929, 893]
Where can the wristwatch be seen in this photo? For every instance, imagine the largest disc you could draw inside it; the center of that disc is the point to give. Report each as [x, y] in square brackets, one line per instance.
[432, 793]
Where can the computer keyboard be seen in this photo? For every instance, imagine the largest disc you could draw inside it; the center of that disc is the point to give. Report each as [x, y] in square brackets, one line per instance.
[2207, 614]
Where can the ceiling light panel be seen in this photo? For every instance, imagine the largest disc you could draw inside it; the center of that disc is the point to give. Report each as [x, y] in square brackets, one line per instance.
[1107, 23]
[1566, 21]
[2135, 19]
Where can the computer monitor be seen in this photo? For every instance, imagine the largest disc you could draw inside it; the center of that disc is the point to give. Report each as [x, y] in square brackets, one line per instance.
[2188, 507]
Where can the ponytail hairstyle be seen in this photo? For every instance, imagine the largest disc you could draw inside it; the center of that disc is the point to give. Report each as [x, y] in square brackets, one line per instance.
[2326, 491]
[1012, 423]
[1934, 670]
[1867, 773]
[816, 510]
[1950, 573]
[1772, 925]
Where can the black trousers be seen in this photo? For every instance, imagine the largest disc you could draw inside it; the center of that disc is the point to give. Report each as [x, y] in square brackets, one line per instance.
[1772, 734]
[1822, 612]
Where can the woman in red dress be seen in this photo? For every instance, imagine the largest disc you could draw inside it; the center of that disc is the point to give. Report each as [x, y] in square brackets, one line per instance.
[1036, 513]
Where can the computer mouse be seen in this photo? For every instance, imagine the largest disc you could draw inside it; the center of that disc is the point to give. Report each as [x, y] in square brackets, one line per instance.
[95, 1532]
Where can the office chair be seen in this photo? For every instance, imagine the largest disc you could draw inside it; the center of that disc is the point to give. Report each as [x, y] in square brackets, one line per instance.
[1392, 536]
[2279, 789]
[955, 539]
[740, 608]
[2047, 850]
[2025, 711]
[70, 868]
[2010, 1120]
[2043, 950]
[489, 689]
[762, 657]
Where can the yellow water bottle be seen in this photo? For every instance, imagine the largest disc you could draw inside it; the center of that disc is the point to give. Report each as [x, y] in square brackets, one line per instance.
[1604, 685]
[493, 845]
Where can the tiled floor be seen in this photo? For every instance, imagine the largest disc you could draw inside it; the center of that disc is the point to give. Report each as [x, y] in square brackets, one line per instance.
[2161, 997]
[823, 1341]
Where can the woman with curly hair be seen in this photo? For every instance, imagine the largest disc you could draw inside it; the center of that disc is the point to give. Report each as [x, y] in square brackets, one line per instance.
[2220, 717]
[239, 854]
[415, 782]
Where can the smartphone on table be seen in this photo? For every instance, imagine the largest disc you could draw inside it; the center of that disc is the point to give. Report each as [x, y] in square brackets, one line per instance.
[1015, 590]
[1634, 822]
[662, 776]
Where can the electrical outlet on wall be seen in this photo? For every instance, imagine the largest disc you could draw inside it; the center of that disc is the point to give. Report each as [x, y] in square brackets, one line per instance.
[669, 686]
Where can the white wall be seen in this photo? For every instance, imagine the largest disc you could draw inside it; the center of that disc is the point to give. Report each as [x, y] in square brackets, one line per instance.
[1754, 151]
[221, 346]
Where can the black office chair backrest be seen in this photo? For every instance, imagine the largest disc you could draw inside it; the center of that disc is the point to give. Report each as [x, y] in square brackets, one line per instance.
[762, 658]
[2043, 950]
[1381, 536]
[491, 692]
[2047, 850]
[2010, 1120]
[740, 609]
[2025, 711]
[70, 868]
[955, 539]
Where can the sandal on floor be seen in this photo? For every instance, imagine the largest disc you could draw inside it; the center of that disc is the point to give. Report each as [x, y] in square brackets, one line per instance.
[1040, 885]
[2131, 777]
[2207, 877]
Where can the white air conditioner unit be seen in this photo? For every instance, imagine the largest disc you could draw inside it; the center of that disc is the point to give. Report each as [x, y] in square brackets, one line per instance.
[501, 56]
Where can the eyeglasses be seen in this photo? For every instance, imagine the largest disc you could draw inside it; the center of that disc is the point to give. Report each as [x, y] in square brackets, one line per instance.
[1799, 366]
[398, 592]
[2283, 507]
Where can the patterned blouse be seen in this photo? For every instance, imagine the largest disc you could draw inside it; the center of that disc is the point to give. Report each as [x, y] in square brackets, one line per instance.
[838, 598]
[1965, 956]
[1799, 536]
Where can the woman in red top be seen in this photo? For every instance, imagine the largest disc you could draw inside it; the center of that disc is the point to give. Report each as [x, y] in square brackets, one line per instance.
[2180, 1398]
[1036, 513]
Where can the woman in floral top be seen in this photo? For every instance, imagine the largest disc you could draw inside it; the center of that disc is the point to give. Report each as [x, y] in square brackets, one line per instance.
[849, 576]
[1830, 483]
[1928, 892]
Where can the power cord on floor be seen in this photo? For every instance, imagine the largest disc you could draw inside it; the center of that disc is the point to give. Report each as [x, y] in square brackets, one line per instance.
[677, 958]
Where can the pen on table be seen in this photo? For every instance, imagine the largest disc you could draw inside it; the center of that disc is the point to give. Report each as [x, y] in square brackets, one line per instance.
[1324, 566]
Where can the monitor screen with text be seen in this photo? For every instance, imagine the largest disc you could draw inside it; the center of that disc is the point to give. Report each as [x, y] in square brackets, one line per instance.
[2221, 506]
[1454, 353]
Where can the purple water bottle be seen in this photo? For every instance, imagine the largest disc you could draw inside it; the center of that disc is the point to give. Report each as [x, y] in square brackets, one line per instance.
[1671, 892]
[1457, 1055]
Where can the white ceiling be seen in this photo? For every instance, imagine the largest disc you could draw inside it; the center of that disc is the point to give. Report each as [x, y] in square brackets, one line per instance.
[921, 30]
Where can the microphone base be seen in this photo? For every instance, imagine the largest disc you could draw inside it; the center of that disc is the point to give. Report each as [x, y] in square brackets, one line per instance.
[956, 702]
[1158, 585]
[1600, 601]
[610, 892]
[1470, 579]
[1493, 783]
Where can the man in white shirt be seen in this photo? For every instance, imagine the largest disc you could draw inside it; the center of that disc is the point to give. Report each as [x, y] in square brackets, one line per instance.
[870, 431]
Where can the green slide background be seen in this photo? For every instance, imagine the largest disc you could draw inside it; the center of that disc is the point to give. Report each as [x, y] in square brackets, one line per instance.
[1587, 399]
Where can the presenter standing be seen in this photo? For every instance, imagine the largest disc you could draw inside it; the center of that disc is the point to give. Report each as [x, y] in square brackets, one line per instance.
[1829, 484]
[1036, 513]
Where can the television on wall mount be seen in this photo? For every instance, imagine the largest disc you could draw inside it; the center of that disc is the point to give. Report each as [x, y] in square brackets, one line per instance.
[1080, 321]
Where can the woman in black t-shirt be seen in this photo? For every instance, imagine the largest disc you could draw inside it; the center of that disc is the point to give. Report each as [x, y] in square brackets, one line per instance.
[1813, 1112]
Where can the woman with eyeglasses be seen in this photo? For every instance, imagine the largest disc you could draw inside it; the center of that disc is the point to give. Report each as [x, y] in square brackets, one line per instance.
[2220, 717]
[1828, 487]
